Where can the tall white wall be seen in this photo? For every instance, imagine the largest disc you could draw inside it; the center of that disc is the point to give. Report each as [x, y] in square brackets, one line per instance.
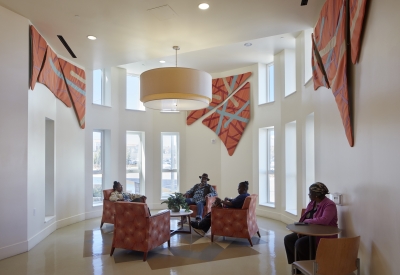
[14, 60]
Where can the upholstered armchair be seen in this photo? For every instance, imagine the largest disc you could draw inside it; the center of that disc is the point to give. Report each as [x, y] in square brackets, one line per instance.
[207, 207]
[238, 223]
[108, 208]
[135, 229]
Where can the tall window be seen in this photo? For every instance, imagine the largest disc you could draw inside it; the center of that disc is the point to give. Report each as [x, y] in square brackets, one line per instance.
[310, 155]
[270, 83]
[98, 87]
[98, 169]
[291, 167]
[169, 164]
[267, 166]
[134, 162]
[133, 93]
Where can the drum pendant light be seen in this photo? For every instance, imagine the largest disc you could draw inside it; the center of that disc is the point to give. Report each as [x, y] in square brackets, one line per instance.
[175, 89]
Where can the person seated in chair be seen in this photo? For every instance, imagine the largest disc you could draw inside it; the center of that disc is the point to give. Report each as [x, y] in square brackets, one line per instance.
[204, 225]
[320, 210]
[119, 195]
[198, 194]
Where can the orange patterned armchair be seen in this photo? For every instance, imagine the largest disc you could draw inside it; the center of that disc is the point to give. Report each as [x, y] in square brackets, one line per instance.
[207, 207]
[108, 208]
[135, 229]
[238, 223]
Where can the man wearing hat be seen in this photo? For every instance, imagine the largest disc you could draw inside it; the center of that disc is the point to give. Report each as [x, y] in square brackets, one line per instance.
[197, 195]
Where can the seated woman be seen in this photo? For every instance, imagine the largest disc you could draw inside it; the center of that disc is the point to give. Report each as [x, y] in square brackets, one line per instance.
[202, 227]
[118, 195]
[320, 210]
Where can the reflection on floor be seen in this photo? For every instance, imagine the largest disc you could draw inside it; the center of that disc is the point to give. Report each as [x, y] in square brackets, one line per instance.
[61, 253]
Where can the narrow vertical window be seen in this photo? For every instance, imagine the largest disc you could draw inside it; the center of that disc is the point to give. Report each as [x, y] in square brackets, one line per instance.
[98, 87]
[134, 162]
[133, 93]
[310, 155]
[270, 83]
[291, 167]
[169, 164]
[98, 170]
[267, 166]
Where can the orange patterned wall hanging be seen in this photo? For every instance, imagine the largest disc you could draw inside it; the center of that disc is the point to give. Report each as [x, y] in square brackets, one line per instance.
[76, 84]
[230, 119]
[66, 81]
[52, 77]
[357, 13]
[330, 41]
[221, 89]
[38, 51]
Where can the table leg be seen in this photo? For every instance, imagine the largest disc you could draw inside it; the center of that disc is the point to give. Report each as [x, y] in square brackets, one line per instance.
[190, 226]
[311, 247]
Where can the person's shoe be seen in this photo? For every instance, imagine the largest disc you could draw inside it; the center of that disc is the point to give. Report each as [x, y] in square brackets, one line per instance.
[198, 219]
[194, 224]
[199, 231]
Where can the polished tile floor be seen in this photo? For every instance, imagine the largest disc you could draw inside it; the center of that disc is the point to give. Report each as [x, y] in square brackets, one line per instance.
[83, 248]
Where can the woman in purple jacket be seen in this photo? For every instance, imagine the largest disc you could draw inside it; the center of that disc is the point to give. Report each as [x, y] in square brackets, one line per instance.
[320, 210]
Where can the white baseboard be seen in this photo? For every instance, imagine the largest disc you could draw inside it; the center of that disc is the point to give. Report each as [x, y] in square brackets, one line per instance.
[93, 214]
[41, 235]
[12, 250]
[276, 216]
[70, 220]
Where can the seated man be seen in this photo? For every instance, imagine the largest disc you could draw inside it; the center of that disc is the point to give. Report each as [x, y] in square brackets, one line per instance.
[199, 193]
[202, 227]
[118, 195]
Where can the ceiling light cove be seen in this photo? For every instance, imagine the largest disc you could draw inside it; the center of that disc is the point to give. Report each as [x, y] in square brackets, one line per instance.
[162, 61]
[91, 37]
[204, 6]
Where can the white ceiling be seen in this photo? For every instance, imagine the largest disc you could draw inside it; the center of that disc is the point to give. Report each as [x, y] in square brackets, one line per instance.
[210, 40]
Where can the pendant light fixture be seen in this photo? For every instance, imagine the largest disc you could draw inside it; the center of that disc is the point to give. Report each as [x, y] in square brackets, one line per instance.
[175, 89]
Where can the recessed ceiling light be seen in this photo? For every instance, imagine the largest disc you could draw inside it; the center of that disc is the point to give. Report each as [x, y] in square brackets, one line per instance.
[204, 6]
[91, 37]
[247, 44]
[162, 61]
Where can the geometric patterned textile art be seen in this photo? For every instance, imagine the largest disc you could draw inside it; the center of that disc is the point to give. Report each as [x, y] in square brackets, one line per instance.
[221, 89]
[357, 13]
[230, 119]
[76, 84]
[38, 51]
[66, 81]
[318, 72]
[52, 77]
[330, 41]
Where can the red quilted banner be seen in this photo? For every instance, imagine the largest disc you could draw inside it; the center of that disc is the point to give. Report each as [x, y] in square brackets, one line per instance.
[38, 51]
[221, 89]
[330, 34]
[318, 72]
[52, 77]
[76, 84]
[357, 14]
[230, 120]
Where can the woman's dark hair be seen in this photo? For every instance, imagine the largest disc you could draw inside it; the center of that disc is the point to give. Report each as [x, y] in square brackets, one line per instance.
[245, 184]
[115, 185]
[319, 190]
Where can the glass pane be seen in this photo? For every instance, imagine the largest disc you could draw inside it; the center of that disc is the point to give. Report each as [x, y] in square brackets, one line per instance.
[133, 151]
[133, 93]
[169, 183]
[271, 84]
[97, 189]
[97, 87]
[133, 183]
[97, 151]
[174, 152]
[271, 188]
[166, 155]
